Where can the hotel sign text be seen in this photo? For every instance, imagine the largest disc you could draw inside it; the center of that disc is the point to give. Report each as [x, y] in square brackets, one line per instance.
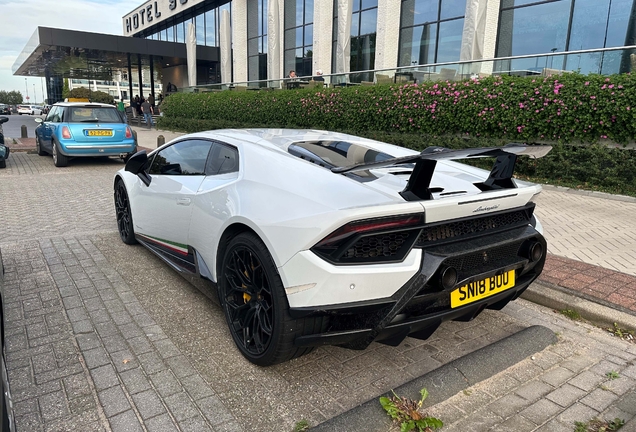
[153, 12]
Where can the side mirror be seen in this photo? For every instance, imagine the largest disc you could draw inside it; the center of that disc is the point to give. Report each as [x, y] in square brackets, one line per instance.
[136, 164]
[4, 119]
[38, 120]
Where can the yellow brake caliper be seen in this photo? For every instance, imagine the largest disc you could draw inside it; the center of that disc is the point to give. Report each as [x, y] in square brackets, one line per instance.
[246, 296]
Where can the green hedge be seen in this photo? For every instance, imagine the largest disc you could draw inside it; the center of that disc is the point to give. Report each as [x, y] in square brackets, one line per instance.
[566, 108]
[570, 108]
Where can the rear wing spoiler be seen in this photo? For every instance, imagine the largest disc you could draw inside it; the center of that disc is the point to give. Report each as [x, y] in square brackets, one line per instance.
[418, 186]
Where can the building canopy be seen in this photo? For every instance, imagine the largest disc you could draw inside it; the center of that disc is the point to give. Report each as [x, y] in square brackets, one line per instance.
[96, 56]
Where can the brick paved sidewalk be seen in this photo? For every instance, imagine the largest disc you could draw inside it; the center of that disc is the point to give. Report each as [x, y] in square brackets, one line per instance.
[20, 144]
[592, 282]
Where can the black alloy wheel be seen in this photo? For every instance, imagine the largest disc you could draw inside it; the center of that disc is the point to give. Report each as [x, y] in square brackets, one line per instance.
[124, 216]
[248, 302]
[255, 304]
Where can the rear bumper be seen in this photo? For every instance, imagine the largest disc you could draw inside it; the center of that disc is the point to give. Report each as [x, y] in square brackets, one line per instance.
[419, 307]
[103, 149]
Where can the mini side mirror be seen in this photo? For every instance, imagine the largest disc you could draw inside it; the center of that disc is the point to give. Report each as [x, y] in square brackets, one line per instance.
[4, 119]
[38, 120]
[136, 164]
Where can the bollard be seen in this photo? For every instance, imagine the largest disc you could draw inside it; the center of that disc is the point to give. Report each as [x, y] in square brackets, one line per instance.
[161, 140]
[23, 132]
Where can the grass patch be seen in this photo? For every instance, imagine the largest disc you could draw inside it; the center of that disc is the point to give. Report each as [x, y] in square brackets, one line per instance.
[301, 426]
[622, 333]
[571, 313]
[612, 375]
[598, 425]
[406, 412]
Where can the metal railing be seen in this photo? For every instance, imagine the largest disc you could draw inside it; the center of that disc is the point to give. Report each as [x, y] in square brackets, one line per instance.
[604, 61]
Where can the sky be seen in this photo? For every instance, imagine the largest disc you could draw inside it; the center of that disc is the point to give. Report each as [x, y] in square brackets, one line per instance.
[20, 18]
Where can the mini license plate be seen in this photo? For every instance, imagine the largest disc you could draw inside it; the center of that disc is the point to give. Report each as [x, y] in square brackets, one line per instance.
[99, 132]
[482, 288]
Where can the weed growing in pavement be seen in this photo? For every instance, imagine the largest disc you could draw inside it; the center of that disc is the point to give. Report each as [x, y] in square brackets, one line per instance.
[572, 314]
[405, 412]
[612, 375]
[622, 333]
[598, 425]
[301, 426]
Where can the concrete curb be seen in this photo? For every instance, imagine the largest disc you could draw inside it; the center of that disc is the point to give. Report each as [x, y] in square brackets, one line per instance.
[554, 298]
[593, 194]
[448, 380]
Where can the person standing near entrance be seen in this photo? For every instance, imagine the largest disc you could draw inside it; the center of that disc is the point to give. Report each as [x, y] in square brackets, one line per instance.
[122, 109]
[151, 100]
[148, 111]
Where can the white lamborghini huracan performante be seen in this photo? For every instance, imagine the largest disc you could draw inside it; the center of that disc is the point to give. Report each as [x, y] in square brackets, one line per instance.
[316, 238]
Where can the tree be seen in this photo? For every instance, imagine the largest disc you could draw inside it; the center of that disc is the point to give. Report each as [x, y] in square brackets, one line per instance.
[10, 98]
[14, 97]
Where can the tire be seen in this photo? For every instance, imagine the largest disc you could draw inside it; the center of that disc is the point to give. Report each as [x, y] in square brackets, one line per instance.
[124, 216]
[253, 299]
[38, 147]
[3, 164]
[58, 158]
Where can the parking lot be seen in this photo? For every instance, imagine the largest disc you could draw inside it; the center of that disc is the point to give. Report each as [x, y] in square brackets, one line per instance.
[103, 336]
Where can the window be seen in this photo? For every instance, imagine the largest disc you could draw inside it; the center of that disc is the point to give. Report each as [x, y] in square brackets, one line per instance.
[223, 159]
[89, 114]
[431, 31]
[542, 26]
[183, 158]
[210, 28]
[55, 115]
[299, 24]
[257, 39]
[200, 29]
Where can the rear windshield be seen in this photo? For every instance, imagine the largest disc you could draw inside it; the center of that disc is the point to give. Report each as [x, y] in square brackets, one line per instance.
[337, 154]
[93, 115]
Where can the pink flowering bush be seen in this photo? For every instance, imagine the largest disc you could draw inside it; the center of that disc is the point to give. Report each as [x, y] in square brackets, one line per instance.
[565, 108]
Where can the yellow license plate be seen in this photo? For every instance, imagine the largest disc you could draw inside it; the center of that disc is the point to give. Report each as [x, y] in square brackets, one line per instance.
[482, 288]
[98, 132]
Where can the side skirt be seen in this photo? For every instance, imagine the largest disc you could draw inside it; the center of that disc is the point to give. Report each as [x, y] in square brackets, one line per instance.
[189, 265]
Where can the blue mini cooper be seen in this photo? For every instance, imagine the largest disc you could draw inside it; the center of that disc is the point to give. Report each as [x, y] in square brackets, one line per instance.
[73, 129]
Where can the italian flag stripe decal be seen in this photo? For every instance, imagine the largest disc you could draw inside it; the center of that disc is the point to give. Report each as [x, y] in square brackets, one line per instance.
[173, 246]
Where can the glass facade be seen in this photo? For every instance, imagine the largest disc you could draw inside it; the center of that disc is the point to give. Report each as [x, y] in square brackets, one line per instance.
[430, 31]
[207, 25]
[364, 22]
[533, 27]
[256, 40]
[299, 36]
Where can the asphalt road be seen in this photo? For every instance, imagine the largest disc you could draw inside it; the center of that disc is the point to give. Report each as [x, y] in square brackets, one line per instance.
[12, 128]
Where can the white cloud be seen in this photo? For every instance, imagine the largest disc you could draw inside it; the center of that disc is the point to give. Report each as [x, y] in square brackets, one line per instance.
[21, 18]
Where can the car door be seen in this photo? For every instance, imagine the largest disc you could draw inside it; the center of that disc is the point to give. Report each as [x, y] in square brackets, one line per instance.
[162, 210]
[214, 203]
[48, 127]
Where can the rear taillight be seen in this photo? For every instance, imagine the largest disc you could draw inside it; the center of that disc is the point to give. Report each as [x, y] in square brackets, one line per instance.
[66, 133]
[371, 240]
[128, 132]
